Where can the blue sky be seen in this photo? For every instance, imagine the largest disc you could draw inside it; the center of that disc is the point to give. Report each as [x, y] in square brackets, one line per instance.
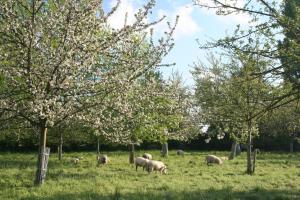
[194, 23]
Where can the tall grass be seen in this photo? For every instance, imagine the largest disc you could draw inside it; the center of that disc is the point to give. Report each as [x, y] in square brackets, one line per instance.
[277, 176]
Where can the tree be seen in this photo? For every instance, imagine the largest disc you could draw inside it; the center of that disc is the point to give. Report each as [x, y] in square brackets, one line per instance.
[143, 113]
[231, 99]
[60, 58]
[187, 127]
[289, 49]
[270, 20]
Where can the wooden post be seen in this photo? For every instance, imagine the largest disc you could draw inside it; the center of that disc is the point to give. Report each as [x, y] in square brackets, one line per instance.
[45, 137]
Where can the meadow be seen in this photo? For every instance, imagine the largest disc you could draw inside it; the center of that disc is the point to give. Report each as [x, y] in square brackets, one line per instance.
[277, 176]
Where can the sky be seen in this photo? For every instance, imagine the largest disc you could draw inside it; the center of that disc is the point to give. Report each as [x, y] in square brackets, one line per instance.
[194, 24]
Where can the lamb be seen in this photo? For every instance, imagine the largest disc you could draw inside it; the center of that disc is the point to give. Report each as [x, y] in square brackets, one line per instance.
[140, 161]
[180, 152]
[102, 159]
[147, 156]
[213, 159]
[154, 165]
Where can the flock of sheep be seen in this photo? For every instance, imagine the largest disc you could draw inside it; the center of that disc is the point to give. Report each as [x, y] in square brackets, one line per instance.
[150, 165]
[146, 161]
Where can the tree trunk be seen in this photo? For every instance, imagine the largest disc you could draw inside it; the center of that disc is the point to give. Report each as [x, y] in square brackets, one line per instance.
[254, 160]
[40, 174]
[238, 149]
[233, 150]
[60, 145]
[98, 146]
[131, 155]
[291, 146]
[249, 151]
[165, 150]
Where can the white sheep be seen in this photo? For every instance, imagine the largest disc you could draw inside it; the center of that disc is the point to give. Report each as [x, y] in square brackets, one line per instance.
[154, 165]
[224, 158]
[147, 156]
[180, 152]
[102, 159]
[140, 162]
[75, 160]
[213, 159]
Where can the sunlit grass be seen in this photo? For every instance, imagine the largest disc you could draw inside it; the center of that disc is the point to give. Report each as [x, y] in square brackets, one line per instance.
[277, 176]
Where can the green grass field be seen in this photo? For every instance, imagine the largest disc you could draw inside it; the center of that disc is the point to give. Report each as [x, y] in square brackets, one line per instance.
[277, 176]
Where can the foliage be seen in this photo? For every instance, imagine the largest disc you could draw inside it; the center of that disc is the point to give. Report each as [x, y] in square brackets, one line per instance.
[282, 122]
[143, 113]
[232, 99]
[60, 59]
[270, 20]
[289, 47]
[229, 96]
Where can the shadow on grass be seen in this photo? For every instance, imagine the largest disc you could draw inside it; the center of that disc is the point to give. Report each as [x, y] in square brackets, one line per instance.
[278, 156]
[226, 193]
[20, 163]
[69, 175]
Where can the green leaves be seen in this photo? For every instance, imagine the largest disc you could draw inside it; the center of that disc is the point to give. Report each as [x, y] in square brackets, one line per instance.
[229, 96]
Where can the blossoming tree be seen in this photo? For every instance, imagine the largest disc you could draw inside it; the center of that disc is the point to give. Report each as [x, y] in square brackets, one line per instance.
[60, 58]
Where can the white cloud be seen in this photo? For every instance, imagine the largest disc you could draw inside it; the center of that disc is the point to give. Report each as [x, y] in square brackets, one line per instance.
[240, 18]
[117, 20]
[186, 26]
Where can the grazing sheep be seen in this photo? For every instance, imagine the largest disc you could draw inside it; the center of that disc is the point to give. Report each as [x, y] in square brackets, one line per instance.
[102, 159]
[224, 158]
[140, 162]
[75, 160]
[147, 156]
[213, 159]
[180, 152]
[154, 165]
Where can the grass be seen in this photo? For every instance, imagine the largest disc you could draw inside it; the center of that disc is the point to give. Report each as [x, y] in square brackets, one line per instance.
[277, 176]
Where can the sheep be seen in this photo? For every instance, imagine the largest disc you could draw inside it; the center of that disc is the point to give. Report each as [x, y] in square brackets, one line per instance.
[213, 159]
[75, 160]
[154, 165]
[147, 156]
[140, 162]
[102, 159]
[180, 152]
[224, 158]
